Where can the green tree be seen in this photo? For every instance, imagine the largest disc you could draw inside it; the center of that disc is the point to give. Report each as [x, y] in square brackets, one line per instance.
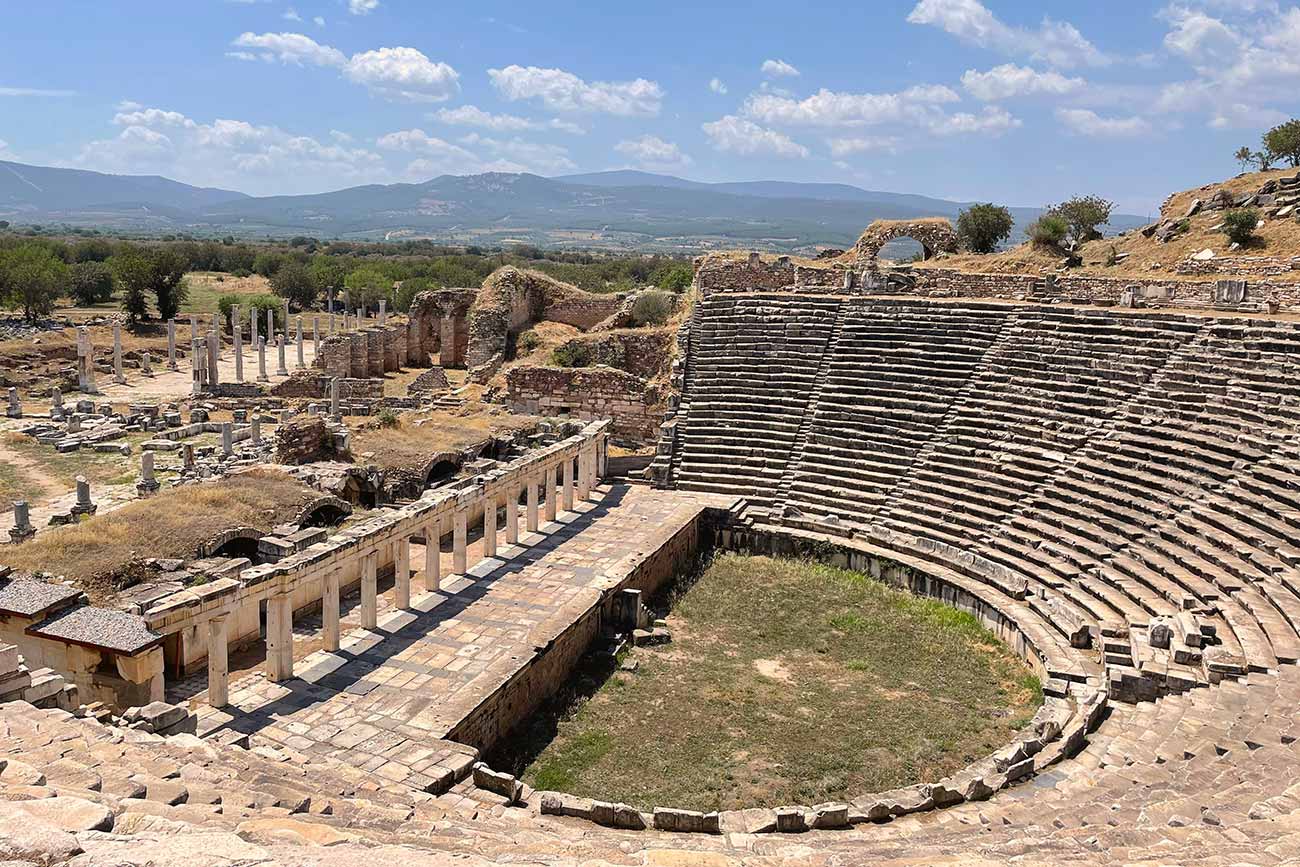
[294, 283]
[982, 227]
[328, 275]
[1239, 225]
[1245, 157]
[31, 277]
[1083, 215]
[367, 284]
[1282, 142]
[674, 278]
[90, 282]
[143, 272]
[169, 287]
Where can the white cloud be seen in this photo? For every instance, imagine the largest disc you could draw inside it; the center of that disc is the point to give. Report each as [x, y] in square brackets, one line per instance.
[530, 156]
[472, 115]
[1055, 42]
[291, 14]
[717, 86]
[830, 108]
[842, 147]
[1088, 123]
[228, 153]
[991, 121]
[318, 21]
[438, 156]
[1010, 80]
[34, 91]
[563, 91]
[5, 153]
[778, 69]
[654, 153]
[362, 7]
[289, 48]
[736, 135]
[403, 73]
[394, 73]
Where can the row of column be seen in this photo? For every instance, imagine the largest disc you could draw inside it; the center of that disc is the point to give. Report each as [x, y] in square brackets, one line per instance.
[575, 479]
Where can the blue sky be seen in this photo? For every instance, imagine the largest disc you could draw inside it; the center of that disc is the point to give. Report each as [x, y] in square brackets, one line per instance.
[964, 99]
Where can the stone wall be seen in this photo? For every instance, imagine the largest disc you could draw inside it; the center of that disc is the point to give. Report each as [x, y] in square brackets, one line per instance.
[370, 352]
[305, 440]
[641, 352]
[316, 385]
[1246, 266]
[635, 408]
[934, 234]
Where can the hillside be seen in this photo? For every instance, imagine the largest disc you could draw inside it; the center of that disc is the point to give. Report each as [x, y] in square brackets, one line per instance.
[621, 211]
[1147, 253]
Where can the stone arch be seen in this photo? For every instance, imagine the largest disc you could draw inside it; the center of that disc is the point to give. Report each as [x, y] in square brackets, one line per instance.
[235, 542]
[326, 511]
[934, 234]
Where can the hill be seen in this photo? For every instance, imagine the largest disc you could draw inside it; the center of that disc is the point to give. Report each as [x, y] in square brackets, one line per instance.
[621, 210]
[1189, 226]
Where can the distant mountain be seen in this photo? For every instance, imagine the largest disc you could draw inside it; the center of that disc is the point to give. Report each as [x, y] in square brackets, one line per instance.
[623, 210]
[48, 191]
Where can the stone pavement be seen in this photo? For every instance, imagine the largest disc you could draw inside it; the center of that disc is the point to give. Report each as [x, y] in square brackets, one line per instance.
[386, 700]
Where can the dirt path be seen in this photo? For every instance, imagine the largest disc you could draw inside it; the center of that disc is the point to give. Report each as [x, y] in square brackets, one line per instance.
[38, 486]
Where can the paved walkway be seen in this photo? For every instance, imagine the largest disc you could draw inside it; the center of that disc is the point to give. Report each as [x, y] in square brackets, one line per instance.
[385, 701]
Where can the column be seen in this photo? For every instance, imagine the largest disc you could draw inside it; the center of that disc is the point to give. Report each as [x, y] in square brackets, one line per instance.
[332, 325]
[270, 323]
[433, 556]
[402, 574]
[459, 534]
[171, 344]
[315, 334]
[214, 357]
[215, 331]
[584, 473]
[227, 438]
[261, 359]
[196, 366]
[301, 362]
[118, 376]
[237, 335]
[602, 458]
[279, 637]
[550, 493]
[369, 591]
[334, 399]
[566, 493]
[252, 321]
[329, 607]
[532, 504]
[218, 664]
[512, 515]
[255, 428]
[490, 526]
[447, 342]
[279, 348]
[383, 312]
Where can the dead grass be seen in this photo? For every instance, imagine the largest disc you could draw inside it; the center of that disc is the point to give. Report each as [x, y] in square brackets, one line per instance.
[99, 468]
[170, 524]
[418, 437]
[208, 286]
[786, 683]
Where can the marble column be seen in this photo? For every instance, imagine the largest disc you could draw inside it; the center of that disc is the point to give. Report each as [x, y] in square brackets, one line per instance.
[118, 376]
[334, 399]
[402, 574]
[584, 473]
[214, 357]
[332, 325]
[512, 515]
[531, 523]
[550, 494]
[298, 336]
[329, 606]
[252, 321]
[261, 360]
[218, 661]
[237, 335]
[370, 591]
[383, 312]
[281, 370]
[566, 493]
[227, 438]
[433, 556]
[459, 538]
[279, 637]
[490, 526]
[270, 323]
[171, 344]
[315, 334]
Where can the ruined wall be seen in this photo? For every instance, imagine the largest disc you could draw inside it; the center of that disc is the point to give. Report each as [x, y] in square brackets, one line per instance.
[316, 385]
[634, 407]
[370, 352]
[644, 352]
[306, 440]
[1245, 266]
[935, 235]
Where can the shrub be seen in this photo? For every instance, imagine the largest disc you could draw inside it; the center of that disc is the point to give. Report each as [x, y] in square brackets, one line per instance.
[572, 354]
[90, 282]
[260, 303]
[389, 419]
[1083, 215]
[1239, 225]
[982, 227]
[527, 342]
[1048, 230]
[652, 308]
[31, 277]
[675, 278]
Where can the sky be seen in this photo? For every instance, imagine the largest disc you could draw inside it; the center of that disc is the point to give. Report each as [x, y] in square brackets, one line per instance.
[960, 99]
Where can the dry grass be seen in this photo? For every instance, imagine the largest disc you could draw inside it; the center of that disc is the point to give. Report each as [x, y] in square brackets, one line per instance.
[786, 683]
[1147, 256]
[99, 468]
[170, 524]
[418, 437]
[208, 286]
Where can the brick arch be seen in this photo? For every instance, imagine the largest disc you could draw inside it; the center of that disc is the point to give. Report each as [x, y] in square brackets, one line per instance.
[934, 234]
